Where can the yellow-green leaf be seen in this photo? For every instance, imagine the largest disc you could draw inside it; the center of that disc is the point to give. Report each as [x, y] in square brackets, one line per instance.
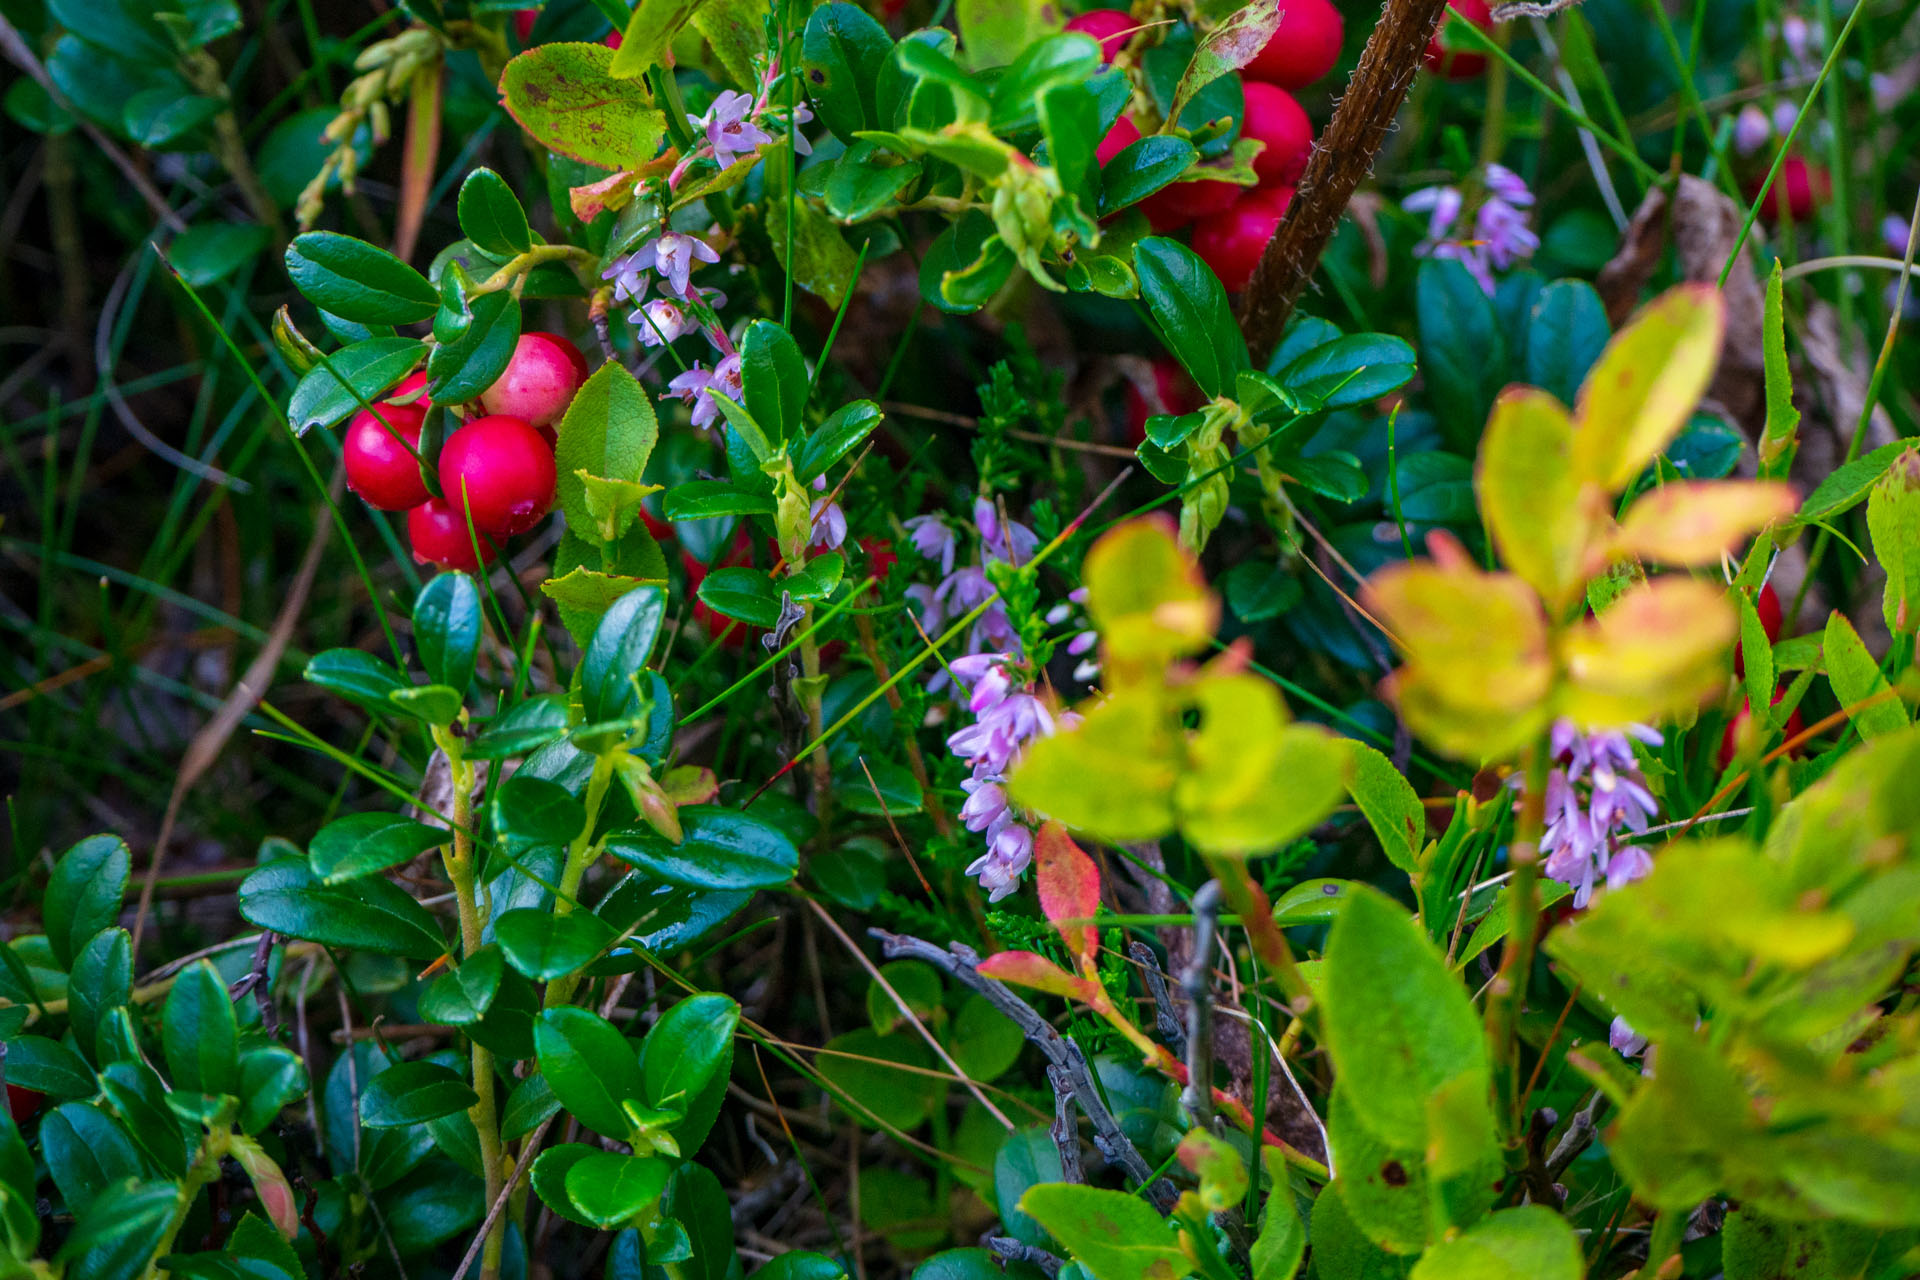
[1657, 650]
[1111, 776]
[1146, 595]
[1253, 782]
[1695, 522]
[1477, 674]
[1855, 677]
[1646, 383]
[1893, 518]
[566, 96]
[1530, 496]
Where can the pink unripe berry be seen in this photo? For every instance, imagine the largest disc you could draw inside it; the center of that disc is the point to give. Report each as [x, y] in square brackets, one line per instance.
[539, 380]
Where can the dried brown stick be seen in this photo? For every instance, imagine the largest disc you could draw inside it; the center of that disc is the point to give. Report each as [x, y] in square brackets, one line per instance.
[1343, 156]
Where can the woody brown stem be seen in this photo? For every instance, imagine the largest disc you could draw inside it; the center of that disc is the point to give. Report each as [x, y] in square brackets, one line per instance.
[1343, 156]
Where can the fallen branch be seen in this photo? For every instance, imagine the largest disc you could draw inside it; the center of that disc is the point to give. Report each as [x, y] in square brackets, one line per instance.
[960, 963]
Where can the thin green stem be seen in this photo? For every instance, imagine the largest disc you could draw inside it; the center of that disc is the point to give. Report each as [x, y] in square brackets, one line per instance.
[1510, 983]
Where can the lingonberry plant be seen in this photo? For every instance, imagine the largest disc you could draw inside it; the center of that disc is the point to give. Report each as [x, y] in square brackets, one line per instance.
[936, 649]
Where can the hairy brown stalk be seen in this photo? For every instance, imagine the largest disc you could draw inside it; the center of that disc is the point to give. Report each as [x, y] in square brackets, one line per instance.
[1343, 156]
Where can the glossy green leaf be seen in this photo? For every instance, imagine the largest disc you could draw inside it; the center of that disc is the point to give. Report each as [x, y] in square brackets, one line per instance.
[590, 1067]
[413, 1093]
[474, 360]
[1463, 354]
[491, 216]
[462, 994]
[1142, 168]
[362, 844]
[367, 915]
[529, 812]
[747, 594]
[84, 894]
[349, 378]
[616, 658]
[713, 499]
[722, 848]
[200, 1032]
[1566, 332]
[102, 978]
[840, 60]
[1190, 307]
[1070, 121]
[685, 1059]
[86, 1151]
[774, 380]
[865, 1067]
[544, 946]
[357, 281]
[35, 1062]
[1350, 370]
[524, 727]
[272, 1078]
[611, 1190]
[446, 629]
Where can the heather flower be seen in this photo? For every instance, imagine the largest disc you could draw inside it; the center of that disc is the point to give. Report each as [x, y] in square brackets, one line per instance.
[1596, 796]
[934, 539]
[1625, 1040]
[661, 321]
[672, 254]
[698, 384]
[986, 807]
[729, 127]
[829, 528]
[1499, 237]
[1007, 857]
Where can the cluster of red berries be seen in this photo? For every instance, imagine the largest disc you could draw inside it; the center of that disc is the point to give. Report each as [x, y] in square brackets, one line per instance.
[1231, 223]
[497, 468]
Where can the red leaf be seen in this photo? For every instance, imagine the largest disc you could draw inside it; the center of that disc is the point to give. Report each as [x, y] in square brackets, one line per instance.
[1069, 886]
[1030, 969]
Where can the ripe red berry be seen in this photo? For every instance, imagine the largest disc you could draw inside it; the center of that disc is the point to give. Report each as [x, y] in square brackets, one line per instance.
[1111, 27]
[1304, 46]
[1123, 135]
[1274, 118]
[1174, 392]
[439, 537]
[539, 380]
[1455, 56]
[501, 469]
[1797, 193]
[1231, 242]
[1173, 207]
[380, 456]
[1767, 605]
[23, 1104]
[523, 20]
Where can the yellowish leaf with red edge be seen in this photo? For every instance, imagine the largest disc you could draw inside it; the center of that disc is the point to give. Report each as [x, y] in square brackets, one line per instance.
[690, 784]
[1657, 650]
[1221, 1171]
[1111, 776]
[269, 1183]
[1147, 596]
[1069, 885]
[1477, 672]
[1694, 522]
[1536, 508]
[1031, 969]
[1646, 383]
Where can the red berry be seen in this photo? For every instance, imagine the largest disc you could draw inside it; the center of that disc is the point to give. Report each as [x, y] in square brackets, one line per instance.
[1111, 27]
[1118, 139]
[881, 557]
[1273, 117]
[1231, 242]
[612, 39]
[500, 468]
[1454, 56]
[439, 536]
[523, 20]
[382, 469]
[539, 380]
[1304, 46]
[1174, 206]
[739, 553]
[1767, 605]
[1730, 740]
[23, 1104]
[1800, 189]
[1174, 392]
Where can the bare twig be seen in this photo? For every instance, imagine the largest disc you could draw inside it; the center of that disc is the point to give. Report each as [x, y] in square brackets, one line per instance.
[1066, 1130]
[959, 962]
[1012, 1250]
[1196, 983]
[1579, 1135]
[1164, 1019]
[520, 1166]
[1343, 156]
